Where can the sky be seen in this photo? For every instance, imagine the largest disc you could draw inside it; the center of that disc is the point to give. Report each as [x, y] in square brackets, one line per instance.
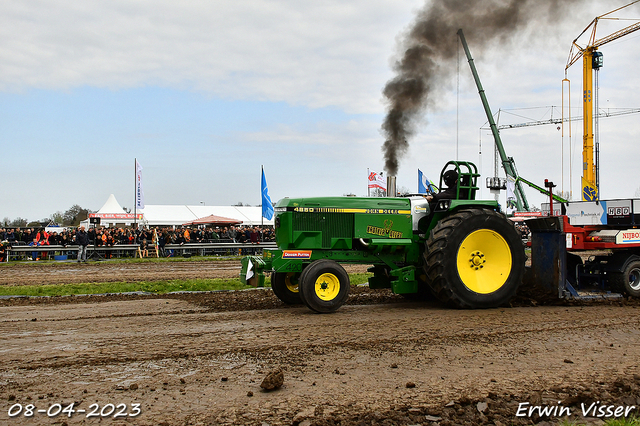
[204, 93]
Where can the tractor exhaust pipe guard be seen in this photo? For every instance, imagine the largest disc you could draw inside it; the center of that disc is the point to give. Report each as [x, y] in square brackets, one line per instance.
[391, 186]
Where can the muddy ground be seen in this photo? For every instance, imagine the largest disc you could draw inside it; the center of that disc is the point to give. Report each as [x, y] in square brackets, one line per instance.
[380, 360]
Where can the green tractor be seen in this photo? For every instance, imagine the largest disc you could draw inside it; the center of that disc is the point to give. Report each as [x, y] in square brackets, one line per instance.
[463, 251]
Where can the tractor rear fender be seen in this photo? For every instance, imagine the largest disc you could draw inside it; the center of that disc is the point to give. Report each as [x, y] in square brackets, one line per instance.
[449, 207]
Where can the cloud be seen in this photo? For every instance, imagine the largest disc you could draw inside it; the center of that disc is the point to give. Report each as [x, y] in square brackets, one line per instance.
[217, 88]
[316, 54]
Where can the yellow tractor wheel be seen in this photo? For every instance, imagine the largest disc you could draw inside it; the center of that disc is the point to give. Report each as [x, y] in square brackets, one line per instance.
[474, 258]
[324, 286]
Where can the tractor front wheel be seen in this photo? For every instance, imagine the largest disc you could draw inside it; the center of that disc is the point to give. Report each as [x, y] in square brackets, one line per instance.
[285, 287]
[324, 286]
[474, 258]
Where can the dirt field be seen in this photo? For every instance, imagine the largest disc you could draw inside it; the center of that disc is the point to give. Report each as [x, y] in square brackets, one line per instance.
[380, 360]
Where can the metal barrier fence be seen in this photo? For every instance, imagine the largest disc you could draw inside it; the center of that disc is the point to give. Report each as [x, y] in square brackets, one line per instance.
[24, 252]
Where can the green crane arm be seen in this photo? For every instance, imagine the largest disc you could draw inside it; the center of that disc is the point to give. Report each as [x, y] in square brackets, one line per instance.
[507, 162]
[541, 189]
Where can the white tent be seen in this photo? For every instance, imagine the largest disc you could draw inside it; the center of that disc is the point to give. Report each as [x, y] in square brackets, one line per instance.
[167, 215]
[111, 214]
[111, 206]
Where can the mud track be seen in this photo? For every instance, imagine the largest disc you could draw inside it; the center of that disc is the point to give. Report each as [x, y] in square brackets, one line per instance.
[381, 359]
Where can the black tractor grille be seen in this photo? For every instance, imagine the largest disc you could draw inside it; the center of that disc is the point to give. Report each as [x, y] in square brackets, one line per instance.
[332, 225]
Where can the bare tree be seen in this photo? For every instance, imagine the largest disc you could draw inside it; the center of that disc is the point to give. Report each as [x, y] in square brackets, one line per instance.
[19, 222]
[75, 215]
[403, 190]
[57, 218]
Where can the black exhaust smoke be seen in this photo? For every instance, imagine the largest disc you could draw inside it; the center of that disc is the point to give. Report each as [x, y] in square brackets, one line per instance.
[430, 51]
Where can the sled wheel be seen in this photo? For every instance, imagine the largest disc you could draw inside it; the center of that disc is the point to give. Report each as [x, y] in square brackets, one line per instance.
[628, 282]
[474, 259]
[285, 287]
[324, 286]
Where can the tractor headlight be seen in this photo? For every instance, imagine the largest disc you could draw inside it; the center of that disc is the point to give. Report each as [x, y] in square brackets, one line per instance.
[444, 205]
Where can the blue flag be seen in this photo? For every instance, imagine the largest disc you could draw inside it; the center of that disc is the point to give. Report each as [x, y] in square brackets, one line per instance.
[424, 184]
[267, 206]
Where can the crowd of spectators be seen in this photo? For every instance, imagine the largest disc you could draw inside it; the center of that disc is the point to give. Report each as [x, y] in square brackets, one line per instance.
[109, 237]
[523, 229]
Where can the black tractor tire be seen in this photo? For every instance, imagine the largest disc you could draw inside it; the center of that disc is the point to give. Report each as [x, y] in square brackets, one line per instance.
[474, 258]
[627, 282]
[285, 287]
[324, 286]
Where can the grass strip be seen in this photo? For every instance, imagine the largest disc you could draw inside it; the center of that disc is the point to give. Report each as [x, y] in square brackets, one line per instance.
[157, 287]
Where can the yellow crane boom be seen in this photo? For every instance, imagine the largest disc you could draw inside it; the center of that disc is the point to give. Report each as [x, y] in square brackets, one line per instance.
[592, 59]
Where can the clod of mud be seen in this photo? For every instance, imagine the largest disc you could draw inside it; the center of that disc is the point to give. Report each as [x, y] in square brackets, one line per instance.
[274, 380]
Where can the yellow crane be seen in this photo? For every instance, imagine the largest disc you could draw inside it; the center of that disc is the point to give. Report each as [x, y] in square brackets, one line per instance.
[592, 60]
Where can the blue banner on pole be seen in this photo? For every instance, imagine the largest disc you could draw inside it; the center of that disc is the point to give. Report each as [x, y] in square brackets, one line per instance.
[425, 186]
[267, 206]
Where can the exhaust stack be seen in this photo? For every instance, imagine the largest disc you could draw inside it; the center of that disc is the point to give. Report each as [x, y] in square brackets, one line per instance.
[391, 186]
